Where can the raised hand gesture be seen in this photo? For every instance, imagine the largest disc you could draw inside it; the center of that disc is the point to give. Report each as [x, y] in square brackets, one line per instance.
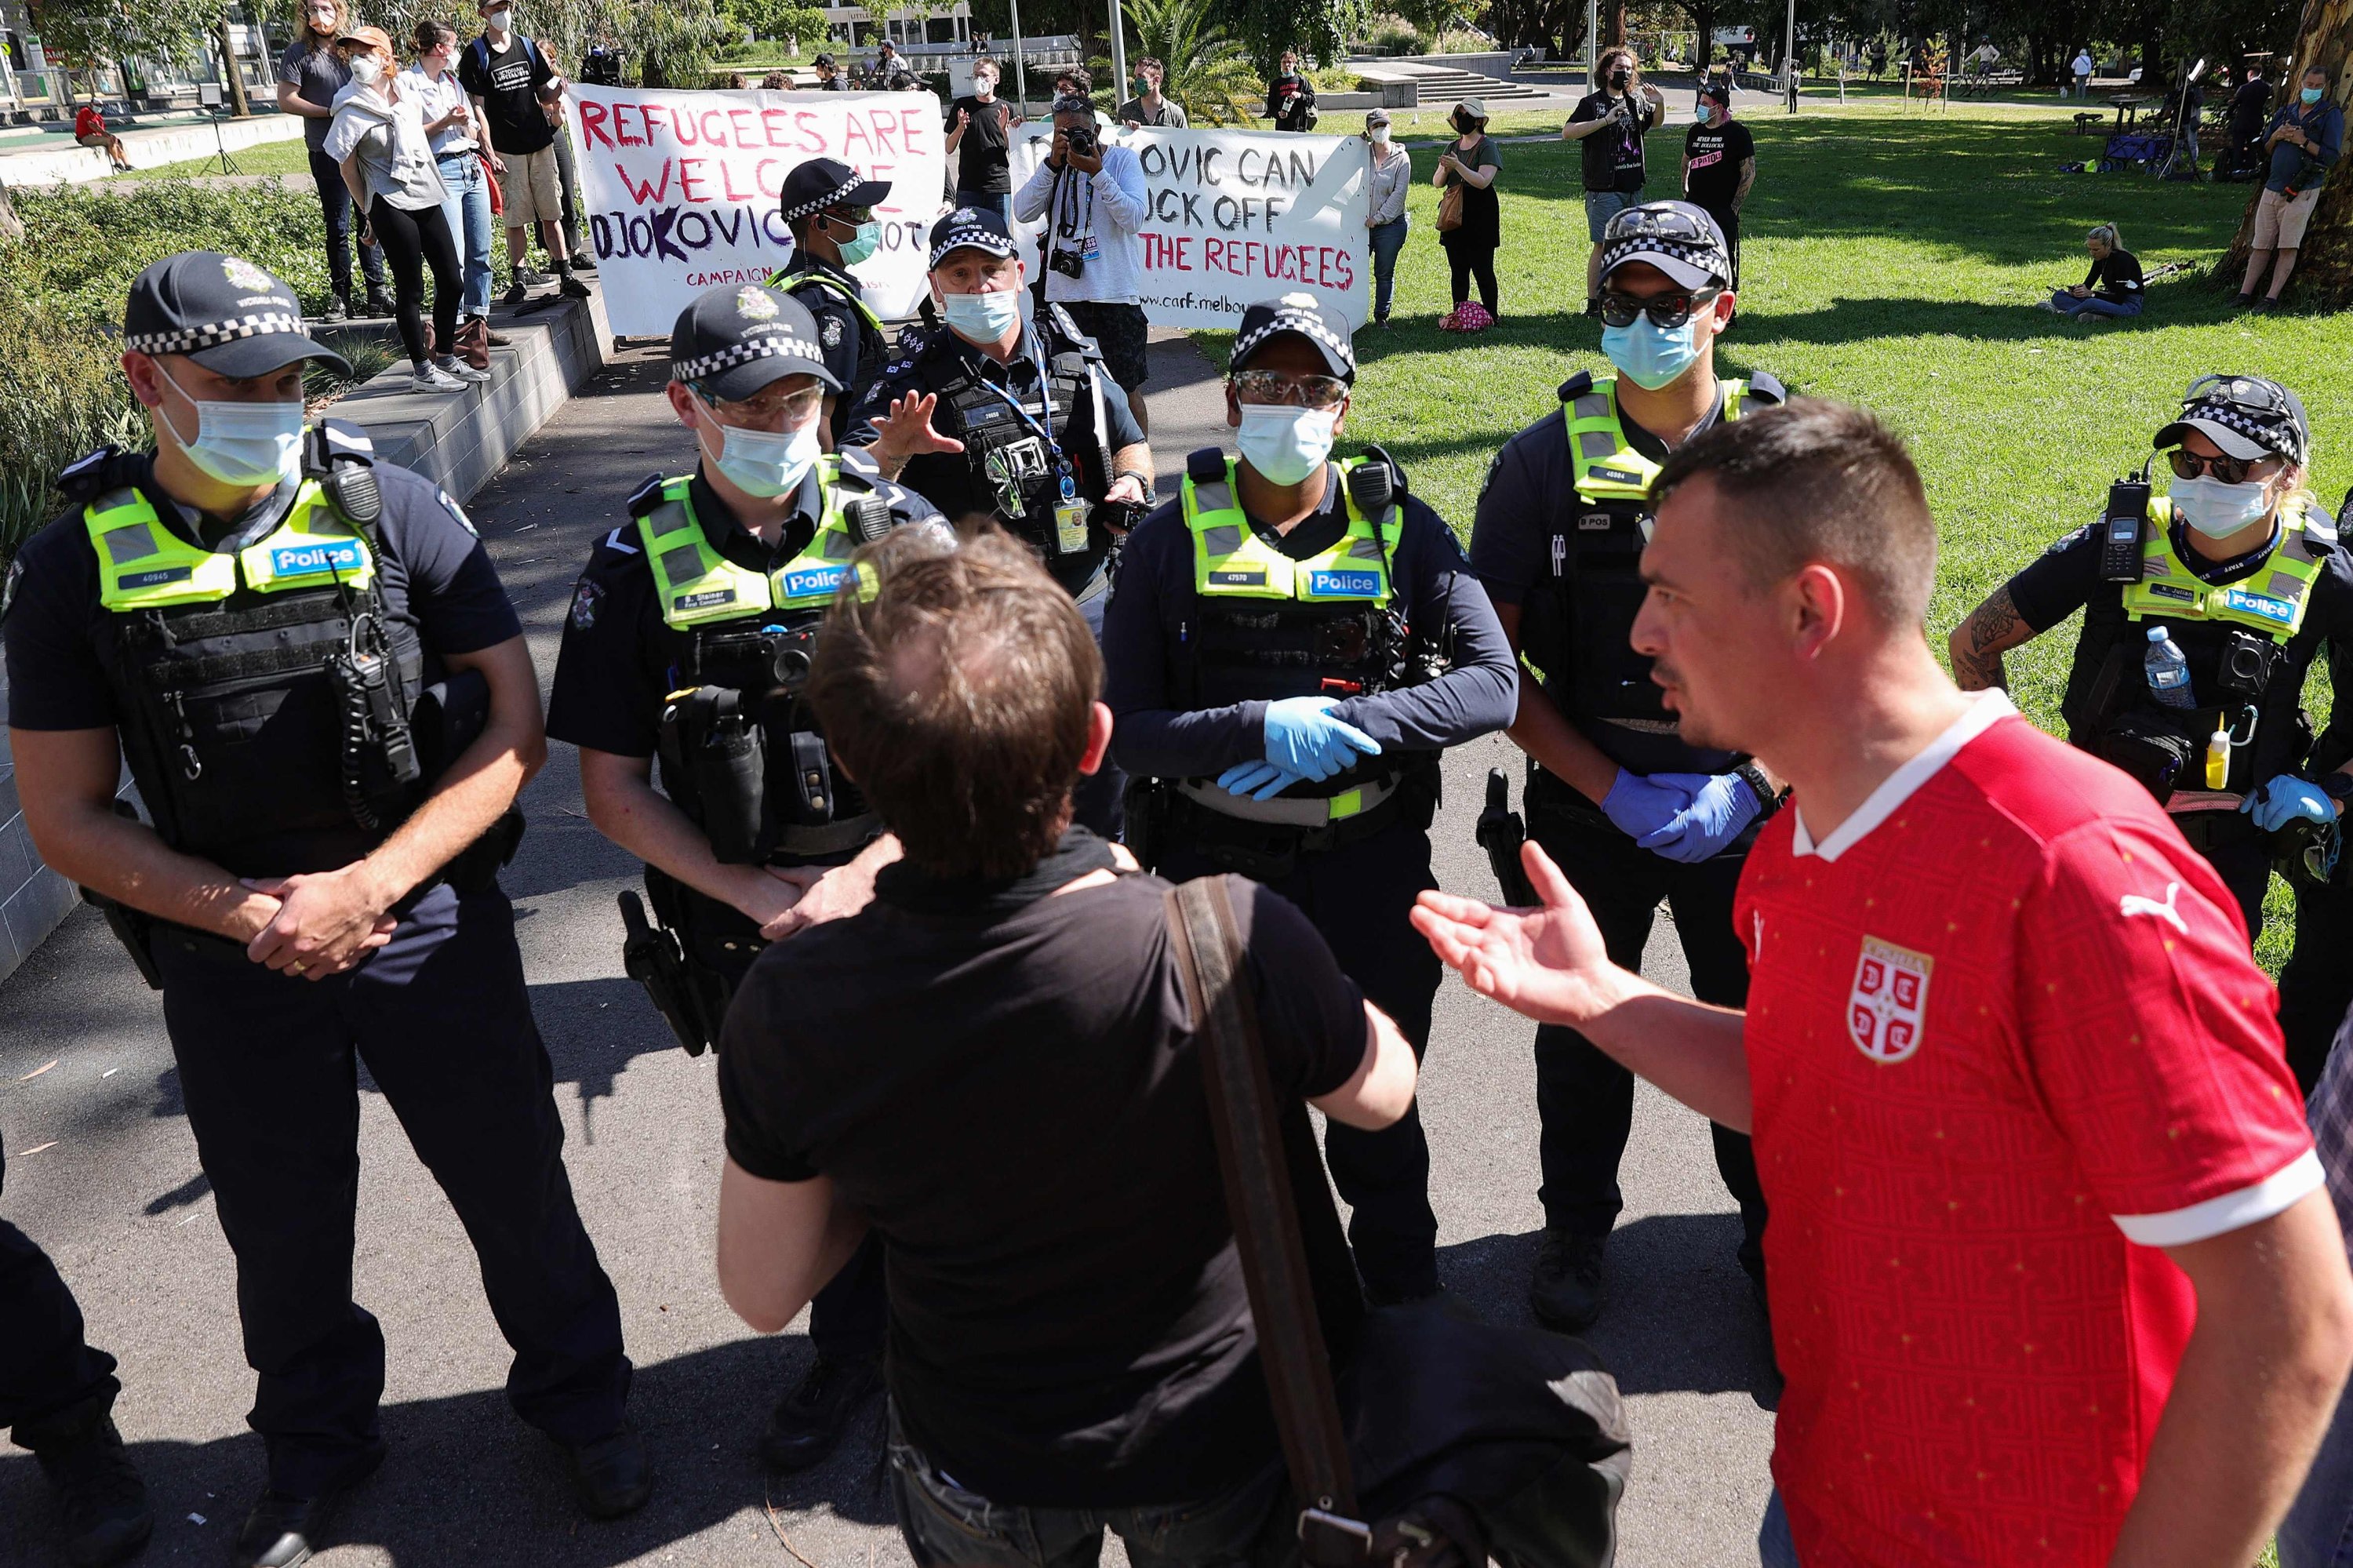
[1548, 962]
[905, 432]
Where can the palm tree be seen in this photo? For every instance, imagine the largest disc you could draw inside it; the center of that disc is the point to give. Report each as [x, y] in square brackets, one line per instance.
[1210, 75]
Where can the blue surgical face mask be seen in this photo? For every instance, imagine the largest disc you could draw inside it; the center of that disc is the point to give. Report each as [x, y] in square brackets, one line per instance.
[763, 463]
[1286, 443]
[861, 245]
[2313, 95]
[1651, 355]
[982, 318]
[241, 443]
[2218, 510]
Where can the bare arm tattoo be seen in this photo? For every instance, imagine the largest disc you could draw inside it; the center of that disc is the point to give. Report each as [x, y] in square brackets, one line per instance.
[1978, 642]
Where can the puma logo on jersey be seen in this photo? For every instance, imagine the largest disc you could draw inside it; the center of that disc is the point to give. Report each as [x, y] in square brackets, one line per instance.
[2132, 904]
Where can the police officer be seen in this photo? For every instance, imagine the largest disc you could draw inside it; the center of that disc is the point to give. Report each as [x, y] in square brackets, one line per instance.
[2241, 570]
[1292, 644]
[829, 207]
[1629, 813]
[57, 1394]
[689, 639]
[328, 707]
[1014, 419]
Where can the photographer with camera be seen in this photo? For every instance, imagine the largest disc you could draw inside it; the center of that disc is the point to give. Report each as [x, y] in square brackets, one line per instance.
[689, 638]
[993, 1068]
[1093, 198]
[1292, 644]
[2203, 609]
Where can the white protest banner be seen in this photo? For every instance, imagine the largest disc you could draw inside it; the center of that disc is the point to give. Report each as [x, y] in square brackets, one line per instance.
[1236, 217]
[681, 189]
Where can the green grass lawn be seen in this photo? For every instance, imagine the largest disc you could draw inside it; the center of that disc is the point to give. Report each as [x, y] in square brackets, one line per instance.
[263, 158]
[1892, 258]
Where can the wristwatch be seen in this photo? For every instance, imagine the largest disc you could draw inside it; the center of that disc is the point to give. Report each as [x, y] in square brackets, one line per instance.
[1768, 799]
[1142, 479]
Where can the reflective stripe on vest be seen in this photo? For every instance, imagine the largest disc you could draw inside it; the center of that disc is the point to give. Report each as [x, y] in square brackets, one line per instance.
[1606, 467]
[697, 585]
[793, 282]
[1231, 561]
[143, 565]
[2272, 602]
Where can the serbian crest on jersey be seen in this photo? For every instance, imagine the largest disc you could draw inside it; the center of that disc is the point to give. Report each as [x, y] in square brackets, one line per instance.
[1884, 1011]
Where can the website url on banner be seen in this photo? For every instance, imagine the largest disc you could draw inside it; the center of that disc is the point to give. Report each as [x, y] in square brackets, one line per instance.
[1223, 304]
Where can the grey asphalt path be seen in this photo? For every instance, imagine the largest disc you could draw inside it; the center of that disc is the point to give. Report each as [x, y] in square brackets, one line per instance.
[102, 1172]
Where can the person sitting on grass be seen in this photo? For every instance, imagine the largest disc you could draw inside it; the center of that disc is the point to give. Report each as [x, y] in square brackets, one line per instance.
[2113, 286]
[89, 129]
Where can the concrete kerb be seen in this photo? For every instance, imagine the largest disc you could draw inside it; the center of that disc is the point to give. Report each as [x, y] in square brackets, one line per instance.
[456, 439]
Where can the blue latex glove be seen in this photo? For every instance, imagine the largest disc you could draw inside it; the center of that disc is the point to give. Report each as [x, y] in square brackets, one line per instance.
[1641, 806]
[2283, 798]
[1259, 780]
[1722, 804]
[1302, 737]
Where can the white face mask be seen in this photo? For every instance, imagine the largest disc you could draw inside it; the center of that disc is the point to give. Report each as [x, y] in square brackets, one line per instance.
[366, 70]
[764, 463]
[982, 318]
[502, 20]
[240, 443]
[983, 88]
[1286, 443]
[2218, 510]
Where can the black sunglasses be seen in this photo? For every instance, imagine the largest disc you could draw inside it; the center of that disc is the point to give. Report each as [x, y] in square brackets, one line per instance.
[2187, 464]
[1666, 310]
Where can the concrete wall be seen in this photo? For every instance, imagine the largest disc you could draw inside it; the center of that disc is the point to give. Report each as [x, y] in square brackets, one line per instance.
[70, 165]
[459, 439]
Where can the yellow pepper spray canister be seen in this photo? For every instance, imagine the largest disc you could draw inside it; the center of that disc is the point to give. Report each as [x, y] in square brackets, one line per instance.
[2218, 756]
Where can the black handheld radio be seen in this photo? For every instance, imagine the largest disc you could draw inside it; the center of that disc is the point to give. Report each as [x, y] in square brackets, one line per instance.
[2120, 526]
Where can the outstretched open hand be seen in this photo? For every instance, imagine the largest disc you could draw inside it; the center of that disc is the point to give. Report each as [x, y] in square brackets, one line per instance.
[1548, 962]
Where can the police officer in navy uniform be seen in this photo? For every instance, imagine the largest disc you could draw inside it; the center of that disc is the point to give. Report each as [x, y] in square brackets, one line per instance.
[2240, 567]
[1292, 644]
[328, 707]
[829, 207]
[1014, 419]
[56, 1397]
[689, 639]
[1630, 811]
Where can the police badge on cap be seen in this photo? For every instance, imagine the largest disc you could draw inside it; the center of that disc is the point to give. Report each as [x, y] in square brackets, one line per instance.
[223, 312]
[735, 341]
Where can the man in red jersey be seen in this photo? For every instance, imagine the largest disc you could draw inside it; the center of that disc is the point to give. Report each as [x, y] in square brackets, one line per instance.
[2054, 1281]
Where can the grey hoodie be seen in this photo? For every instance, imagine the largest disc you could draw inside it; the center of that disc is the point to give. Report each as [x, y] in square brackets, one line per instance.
[394, 152]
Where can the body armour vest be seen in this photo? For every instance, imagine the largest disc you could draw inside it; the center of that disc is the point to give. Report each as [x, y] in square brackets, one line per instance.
[873, 344]
[741, 752]
[1599, 556]
[1020, 462]
[265, 696]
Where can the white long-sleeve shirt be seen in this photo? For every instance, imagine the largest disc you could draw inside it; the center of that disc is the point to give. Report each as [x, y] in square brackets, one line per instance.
[1109, 206]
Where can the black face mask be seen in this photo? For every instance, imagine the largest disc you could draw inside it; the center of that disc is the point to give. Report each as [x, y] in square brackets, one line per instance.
[1464, 123]
[1619, 79]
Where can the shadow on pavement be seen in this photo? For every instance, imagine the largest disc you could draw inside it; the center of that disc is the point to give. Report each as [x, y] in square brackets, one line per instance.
[1679, 1317]
[466, 1482]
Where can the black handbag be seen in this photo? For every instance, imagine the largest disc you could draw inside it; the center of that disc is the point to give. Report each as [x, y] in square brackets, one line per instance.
[1441, 1434]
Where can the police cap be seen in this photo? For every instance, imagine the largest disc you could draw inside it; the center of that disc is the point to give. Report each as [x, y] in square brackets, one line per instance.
[1677, 237]
[821, 183]
[737, 338]
[2246, 416]
[224, 312]
[972, 227]
[1299, 314]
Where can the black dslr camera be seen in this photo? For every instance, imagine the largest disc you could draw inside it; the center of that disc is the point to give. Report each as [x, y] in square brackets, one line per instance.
[1080, 139]
[1067, 261]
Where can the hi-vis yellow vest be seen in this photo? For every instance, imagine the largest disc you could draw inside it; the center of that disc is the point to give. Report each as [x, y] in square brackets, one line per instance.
[1606, 467]
[143, 565]
[1231, 561]
[2271, 603]
[792, 282]
[699, 586]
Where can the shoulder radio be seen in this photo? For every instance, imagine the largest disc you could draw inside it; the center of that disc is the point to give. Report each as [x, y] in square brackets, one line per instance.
[2120, 554]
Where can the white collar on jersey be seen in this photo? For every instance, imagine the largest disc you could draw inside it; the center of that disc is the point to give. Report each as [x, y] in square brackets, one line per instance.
[1985, 709]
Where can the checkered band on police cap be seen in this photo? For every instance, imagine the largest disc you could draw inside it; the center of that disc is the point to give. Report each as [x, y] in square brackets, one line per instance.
[768, 345]
[1699, 256]
[212, 334]
[972, 226]
[1301, 314]
[2275, 429]
[829, 198]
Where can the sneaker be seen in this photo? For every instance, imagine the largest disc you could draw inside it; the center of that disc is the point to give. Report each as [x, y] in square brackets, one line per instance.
[1565, 1290]
[808, 1423]
[517, 294]
[582, 261]
[451, 365]
[102, 1502]
[574, 288]
[532, 277]
[433, 378]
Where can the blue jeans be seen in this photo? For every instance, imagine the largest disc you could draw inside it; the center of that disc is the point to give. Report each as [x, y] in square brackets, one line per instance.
[1388, 238]
[1600, 206]
[1775, 1548]
[2318, 1530]
[335, 208]
[2067, 304]
[948, 1527]
[468, 209]
[998, 202]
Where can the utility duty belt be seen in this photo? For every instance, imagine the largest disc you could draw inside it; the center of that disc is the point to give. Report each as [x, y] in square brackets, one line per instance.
[1265, 839]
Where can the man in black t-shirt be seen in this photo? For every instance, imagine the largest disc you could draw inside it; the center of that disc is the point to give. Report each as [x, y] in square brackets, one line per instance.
[518, 91]
[991, 1066]
[978, 129]
[1291, 96]
[1610, 123]
[1719, 165]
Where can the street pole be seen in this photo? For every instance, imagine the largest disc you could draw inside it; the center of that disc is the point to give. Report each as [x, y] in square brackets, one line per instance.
[1592, 42]
[1118, 56]
[1790, 58]
[1020, 73]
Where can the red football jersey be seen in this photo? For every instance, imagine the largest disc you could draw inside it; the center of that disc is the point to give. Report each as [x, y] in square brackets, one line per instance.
[2005, 1041]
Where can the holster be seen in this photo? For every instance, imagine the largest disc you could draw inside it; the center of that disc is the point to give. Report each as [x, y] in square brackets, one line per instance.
[131, 927]
[1501, 833]
[655, 957]
[1147, 832]
[721, 754]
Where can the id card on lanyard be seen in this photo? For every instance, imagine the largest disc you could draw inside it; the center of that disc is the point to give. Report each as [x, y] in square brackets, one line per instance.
[1070, 511]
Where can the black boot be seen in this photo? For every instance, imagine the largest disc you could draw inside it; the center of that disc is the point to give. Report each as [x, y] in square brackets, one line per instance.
[380, 303]
[571, 288]
[612, 1476]
[102, 1502]
[284, 1531]
[1565, 1290]
[807, 1423]
[339, 309]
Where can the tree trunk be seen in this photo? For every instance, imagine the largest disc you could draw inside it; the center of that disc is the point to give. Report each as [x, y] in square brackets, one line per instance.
[1615, 34]
[1703, 18]
[232, 77]
[11, 226]
[2323, 264]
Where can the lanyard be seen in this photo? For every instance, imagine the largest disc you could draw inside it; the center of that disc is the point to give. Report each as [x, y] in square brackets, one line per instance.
[1045, 395]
